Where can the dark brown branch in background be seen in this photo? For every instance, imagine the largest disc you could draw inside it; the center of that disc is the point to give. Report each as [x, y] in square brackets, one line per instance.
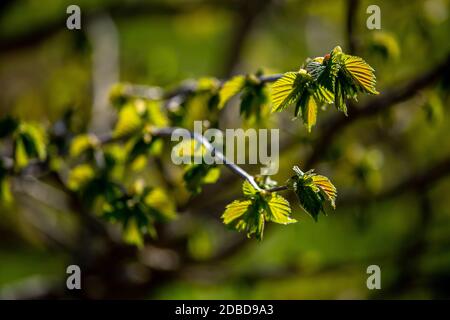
[51, 27]
[352, 41]
[420, 181]
[246, 18]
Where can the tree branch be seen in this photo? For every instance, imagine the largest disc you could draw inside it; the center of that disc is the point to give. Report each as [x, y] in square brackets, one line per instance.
[352, 41]
[422, 180]
[246, 18]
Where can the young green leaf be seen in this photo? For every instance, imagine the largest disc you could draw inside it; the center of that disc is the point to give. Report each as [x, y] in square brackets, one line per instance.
[245, 216]
[230, 88]
[196, 175]
[326, 187]
[361, 74]
[80, 176]
[278, 210]
[81, 144]
[250, 215]
[157, 199]
[286, 89]
[307, 105]
[6, 197]
[30, 142]
[129, 120]
[312, 191]
[20, 154]
[131, 233]
[235, 210]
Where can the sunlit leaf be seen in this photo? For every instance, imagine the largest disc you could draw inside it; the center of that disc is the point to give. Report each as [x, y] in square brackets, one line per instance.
[31, 142]
[250, 215]
[339, 98]
[235, 210]
[279, 210]
[196, 175]
[326, 77]
[248, 189]
[80, 176]
[6, 197]
[285, 90]
[308, 107]
[157, 198]
[229, 89]
[129, 120]
[245, 216]
[20, 154]
[155, 114]
[132, 234]
[212, 176]
[361, 73]
[326, 187]
[81, 144]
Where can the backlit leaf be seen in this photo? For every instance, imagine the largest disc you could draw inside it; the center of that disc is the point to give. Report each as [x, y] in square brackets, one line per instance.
[132, 234]
[327, 188]
[129, 120]
[309, 112]
[250, 215]
[312, 191]
[361, 73]
[284, 91]
[279, 210]
[81, 144]
[248, 189]
[235, 210]
[230, 89]
[80, 176]
[157, 198]
[20, 154]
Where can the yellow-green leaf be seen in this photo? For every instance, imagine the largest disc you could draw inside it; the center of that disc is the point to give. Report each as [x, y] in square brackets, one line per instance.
[309, 113]
[235, 210]
[230, 89]
[129, 120]
[279, 210]
[282, 91]
[362, 74]
[326, 187]
[157, 198]
[212, 176]
[156, 115]
[132, 234]
[79, 176]
[6, 197]
[81, 144]
[20, 155]
[248, 189]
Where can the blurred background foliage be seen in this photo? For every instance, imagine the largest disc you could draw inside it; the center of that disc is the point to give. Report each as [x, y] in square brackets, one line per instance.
[389, 166]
